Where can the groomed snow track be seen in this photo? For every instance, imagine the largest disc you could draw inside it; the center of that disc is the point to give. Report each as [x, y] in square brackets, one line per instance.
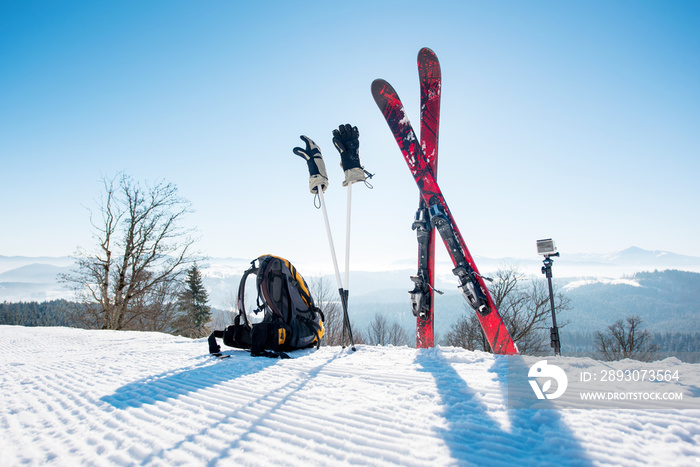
[77, 397]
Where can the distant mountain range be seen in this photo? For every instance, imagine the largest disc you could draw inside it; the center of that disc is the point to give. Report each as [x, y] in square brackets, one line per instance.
[33, 278]
[603, 288]
[25, 278]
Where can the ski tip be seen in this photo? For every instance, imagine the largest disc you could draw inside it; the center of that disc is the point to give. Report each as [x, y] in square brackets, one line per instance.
[378, 84]
[428, 65]
[382, 86]
[428, 53]
[381, 91]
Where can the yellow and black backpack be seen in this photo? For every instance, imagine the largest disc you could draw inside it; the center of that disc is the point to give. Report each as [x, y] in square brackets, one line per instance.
[291, 320]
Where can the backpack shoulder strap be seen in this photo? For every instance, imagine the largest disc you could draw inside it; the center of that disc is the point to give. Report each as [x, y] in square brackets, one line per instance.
[241, 291]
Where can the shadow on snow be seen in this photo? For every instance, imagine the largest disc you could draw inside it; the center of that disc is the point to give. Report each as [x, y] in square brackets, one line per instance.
[535, 437]
[473, 436]
[177, 383]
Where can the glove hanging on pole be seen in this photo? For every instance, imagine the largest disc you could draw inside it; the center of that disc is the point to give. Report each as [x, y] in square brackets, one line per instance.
[347, 141]
[318, 177]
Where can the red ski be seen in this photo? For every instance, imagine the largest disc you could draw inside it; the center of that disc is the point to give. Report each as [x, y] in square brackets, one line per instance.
[471, 283]
[423, 293]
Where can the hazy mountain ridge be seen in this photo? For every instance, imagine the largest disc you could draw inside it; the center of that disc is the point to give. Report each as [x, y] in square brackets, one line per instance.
[36, 273]
[667, 301]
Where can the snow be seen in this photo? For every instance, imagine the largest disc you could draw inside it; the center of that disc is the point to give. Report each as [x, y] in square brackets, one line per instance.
[73, 396]
[580, 283]
[220, 271]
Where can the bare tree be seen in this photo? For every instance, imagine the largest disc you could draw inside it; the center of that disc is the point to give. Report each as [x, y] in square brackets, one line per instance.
[378, 330]
[466, 332]
[524, 306]
[129, 280]
[222, 318]
[398, 335]
[328, 301]
[156, 310]
[626, 341]
[381, 331]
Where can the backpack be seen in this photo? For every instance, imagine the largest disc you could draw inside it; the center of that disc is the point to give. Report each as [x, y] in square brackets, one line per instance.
[291, 320]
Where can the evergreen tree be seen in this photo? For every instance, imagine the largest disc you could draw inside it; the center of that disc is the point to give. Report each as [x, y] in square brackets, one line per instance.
[195, 313]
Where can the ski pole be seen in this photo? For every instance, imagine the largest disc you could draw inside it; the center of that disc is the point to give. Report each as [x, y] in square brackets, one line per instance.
[347, 243]
[341, 291]
[346, 291]
[318, 182]
[347, 141]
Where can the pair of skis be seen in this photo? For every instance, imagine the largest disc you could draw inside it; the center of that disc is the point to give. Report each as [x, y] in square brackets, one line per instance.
[433, 212]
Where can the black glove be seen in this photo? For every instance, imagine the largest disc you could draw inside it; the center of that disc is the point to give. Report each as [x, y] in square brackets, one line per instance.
[347, 141]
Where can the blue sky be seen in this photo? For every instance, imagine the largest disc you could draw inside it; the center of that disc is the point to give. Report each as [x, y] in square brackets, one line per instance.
[574, 120]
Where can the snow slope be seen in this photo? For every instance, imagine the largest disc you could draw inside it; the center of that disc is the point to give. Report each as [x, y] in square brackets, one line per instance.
[77, 397]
